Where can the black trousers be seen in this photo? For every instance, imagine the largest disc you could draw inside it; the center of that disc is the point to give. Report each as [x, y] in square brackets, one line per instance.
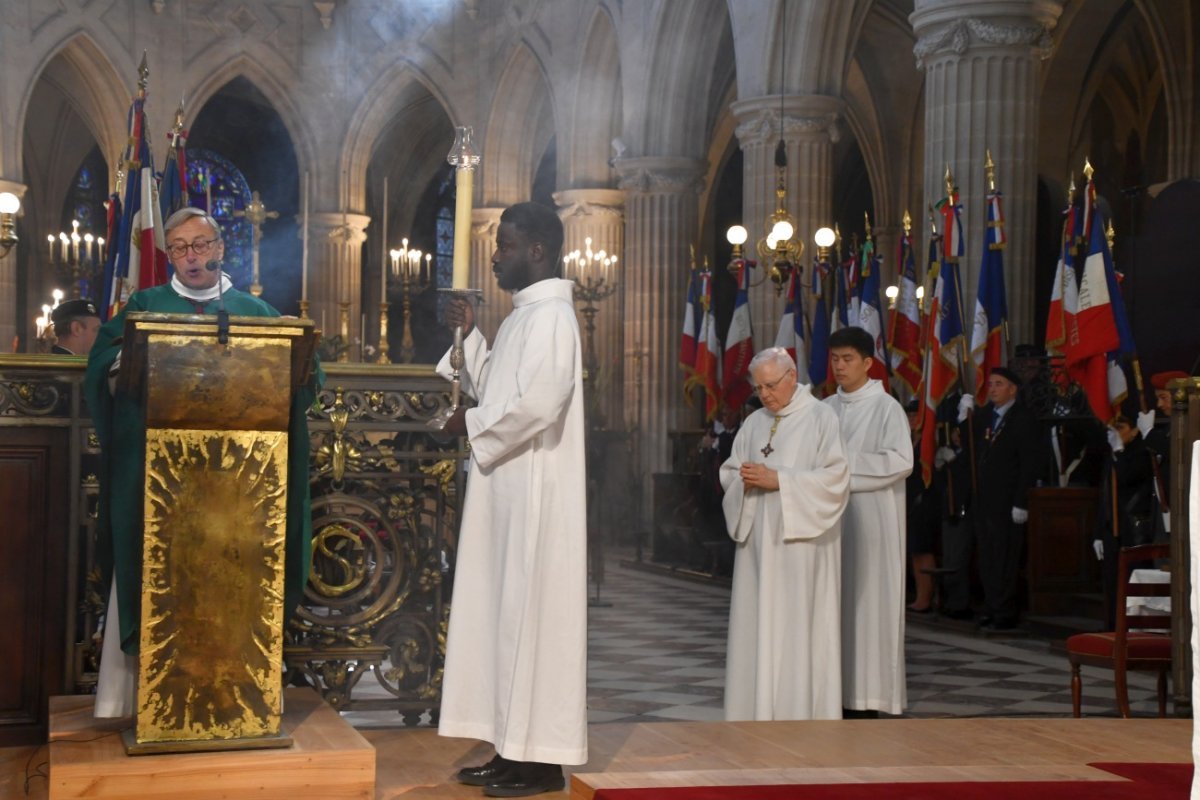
[999, 542]
[956, 557]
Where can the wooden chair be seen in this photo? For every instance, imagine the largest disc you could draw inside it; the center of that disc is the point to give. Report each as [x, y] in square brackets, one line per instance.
[1123, 649]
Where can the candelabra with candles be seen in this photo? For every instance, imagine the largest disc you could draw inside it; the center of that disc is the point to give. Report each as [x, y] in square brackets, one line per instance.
[595, 276]
[79, 259]
[407, 265]
[45, 332]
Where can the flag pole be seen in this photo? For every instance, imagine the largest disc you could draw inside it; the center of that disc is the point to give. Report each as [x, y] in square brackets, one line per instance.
[962, 369]
[989, 169]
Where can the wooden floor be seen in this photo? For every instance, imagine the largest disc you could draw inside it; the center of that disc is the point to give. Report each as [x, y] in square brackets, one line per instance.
[419, 764]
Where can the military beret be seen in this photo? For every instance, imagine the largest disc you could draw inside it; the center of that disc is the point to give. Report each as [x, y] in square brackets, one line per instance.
[1007, 374]
[1159, 380]
[73, 308]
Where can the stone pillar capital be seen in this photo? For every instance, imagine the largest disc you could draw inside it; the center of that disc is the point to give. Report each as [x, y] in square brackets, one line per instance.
[662, 174]
[590, 202]
[804, 117]
[341, 228]
[484, 222]
[951, 28]
[13, 186]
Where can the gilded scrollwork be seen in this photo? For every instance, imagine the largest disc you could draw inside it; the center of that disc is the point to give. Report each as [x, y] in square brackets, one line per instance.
[35, 397]
[384, 506]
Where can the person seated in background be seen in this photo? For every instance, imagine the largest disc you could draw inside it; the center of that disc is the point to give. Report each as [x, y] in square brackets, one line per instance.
[1126, 504]
[76, 323]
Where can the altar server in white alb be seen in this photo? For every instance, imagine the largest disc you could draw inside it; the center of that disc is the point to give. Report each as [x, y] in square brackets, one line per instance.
[786, 485]
[879, 450]
[516, 655]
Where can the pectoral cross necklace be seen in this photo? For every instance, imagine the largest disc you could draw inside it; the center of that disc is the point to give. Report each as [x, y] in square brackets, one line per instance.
[767, 450]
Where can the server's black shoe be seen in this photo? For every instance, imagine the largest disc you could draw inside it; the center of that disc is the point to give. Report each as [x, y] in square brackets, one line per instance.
[497, 769]
[527, 779]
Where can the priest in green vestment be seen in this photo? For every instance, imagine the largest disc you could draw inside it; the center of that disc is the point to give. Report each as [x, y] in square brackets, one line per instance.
[195, 248]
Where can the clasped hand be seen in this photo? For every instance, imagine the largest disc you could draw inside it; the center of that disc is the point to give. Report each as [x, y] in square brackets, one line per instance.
[759, 476]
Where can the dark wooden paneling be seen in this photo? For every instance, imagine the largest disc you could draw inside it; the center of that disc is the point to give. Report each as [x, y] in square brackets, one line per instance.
[34, 501]
[1061, 565]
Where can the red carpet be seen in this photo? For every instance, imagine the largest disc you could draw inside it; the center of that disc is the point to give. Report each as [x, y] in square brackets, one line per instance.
[1157, 781]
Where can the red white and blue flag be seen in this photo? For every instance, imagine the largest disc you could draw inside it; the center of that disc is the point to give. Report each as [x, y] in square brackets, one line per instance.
[174, 194]
[905, 338]
[693, 316]
[818, 357]
[739, 341]
[870, 312]
[708, 352]
[943, 358]
[1061, 331]
[991, 304]
[1104, 333]
[791, 326]
[140, 259]
[952, 232]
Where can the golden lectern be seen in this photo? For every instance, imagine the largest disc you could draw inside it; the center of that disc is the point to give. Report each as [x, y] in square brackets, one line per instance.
[217, 408]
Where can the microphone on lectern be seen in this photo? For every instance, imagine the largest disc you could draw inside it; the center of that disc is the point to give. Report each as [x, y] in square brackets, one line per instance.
[222, 314]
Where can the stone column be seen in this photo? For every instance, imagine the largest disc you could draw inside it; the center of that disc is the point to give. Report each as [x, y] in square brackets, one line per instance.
[661, 221]
[9, 299]
[496, 302]
[809, 132]
[599, 214]
[335, 273]
[981, 60]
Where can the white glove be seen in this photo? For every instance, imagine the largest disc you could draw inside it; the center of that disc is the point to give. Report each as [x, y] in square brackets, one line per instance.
[1145, 422]
[943, 456]
[965, 405]
[1019, 516]
[1114, 440]
[1098, 546]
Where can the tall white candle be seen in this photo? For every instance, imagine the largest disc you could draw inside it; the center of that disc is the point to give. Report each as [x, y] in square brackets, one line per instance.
[304, 245]
[464, 158]
[464, 184]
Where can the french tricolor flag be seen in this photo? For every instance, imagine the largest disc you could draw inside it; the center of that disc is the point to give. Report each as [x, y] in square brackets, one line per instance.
[791, 326]
[739, 341]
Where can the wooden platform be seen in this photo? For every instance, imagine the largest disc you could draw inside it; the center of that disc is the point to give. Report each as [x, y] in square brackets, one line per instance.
[420, 764]
[873, 751]
[329, 759]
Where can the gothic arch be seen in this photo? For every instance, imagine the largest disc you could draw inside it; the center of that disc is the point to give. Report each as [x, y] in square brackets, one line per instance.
[597, 116]
[280, 99]
[372, 117]
[520, 126]
[680, 90]
[93, 87]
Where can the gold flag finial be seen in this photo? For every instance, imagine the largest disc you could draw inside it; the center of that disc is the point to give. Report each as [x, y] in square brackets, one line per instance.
[1110, 233]
[907, 222]
[692, 252]
[989, 169]
[867, 223]
[1071, 189]
[932, 221]
[1088, 169]
[949, 182]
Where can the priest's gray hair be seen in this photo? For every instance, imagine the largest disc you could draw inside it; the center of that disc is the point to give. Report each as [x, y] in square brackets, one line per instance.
[184, 214]
[772, 355]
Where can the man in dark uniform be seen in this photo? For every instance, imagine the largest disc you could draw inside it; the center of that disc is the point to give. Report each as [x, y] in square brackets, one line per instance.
[1006, 458]
[76, 323]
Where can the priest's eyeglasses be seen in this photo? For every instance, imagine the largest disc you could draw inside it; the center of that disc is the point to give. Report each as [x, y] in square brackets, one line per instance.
[199, 247]
[770, 387]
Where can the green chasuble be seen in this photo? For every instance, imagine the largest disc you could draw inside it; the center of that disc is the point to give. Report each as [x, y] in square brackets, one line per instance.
[120, 426]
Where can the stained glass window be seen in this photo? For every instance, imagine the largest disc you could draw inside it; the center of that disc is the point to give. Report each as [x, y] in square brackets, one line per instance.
[214, 183]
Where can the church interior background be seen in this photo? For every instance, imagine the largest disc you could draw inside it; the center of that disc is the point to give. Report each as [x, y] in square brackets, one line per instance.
[651, 125]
